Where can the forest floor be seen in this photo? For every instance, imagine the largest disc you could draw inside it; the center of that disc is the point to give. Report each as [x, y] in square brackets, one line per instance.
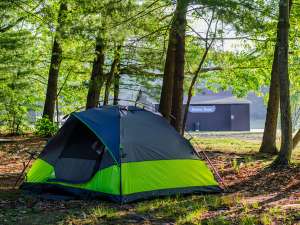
[255, 194]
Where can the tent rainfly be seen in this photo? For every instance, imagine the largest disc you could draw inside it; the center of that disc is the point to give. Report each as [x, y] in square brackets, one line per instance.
[118, 153]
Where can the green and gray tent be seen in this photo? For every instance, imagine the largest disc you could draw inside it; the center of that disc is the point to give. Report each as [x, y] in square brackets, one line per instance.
[118, 153]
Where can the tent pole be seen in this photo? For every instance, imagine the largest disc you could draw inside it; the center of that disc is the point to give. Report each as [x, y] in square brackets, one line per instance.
[25, 165]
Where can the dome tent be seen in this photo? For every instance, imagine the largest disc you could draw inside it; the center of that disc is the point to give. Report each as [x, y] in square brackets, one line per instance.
[121, 154]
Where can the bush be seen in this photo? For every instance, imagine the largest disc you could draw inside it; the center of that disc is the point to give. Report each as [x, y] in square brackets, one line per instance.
[45, 128]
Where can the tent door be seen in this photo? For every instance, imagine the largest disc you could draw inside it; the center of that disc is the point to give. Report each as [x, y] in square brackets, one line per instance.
[81, 157]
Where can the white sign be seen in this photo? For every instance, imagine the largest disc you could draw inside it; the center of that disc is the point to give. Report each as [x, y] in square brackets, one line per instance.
[202, 109]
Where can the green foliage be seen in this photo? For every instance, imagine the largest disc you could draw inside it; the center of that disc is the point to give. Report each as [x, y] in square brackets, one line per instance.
[45, 128]
[27, 29]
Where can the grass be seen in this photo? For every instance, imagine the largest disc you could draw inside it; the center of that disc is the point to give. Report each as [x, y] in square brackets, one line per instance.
[227, 144]
[256, 196]
[234, 145]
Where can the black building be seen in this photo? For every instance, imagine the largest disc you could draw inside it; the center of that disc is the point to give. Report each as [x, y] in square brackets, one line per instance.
[218, 112]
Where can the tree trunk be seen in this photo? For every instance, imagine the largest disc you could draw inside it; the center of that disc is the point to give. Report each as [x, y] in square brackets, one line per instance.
[111, 74]
[117, 86]
[177, 98]
[296, 139]
[56, 58]
[285, 152]
[165, 105]
[97, 76]
[269, 137]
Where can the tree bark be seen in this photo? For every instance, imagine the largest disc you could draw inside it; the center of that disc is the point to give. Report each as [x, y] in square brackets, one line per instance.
[117, 86]
[97, 76]
[177, 98]
[269, 137]
[285, 152]
[111, 74]
[165, 105]
[296, 139]
[56, 58]
[176, 44]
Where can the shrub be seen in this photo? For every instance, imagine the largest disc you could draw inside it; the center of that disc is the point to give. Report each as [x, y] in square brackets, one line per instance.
[45, 128]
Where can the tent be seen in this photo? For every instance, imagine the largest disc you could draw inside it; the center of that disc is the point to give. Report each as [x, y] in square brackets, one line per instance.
[121, 154]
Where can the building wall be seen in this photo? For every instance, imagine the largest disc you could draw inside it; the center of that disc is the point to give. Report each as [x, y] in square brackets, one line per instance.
[257, 107]
[240, 117]
[225, 117]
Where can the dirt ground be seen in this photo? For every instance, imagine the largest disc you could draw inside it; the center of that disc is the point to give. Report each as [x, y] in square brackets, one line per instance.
[254, 193]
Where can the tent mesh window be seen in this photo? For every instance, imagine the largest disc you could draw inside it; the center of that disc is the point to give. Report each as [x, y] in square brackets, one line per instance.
[81, 157]
[81, 144]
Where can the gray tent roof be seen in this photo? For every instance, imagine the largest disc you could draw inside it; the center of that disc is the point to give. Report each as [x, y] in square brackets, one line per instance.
[216, 99]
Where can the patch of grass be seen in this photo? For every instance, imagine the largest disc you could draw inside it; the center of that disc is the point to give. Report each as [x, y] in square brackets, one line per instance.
[227, 144]
[193, 217]
[101, 211]
[219, 220]
[248, 220]
[184, 210]
[235, 165]
[266, 219]
[236, 145]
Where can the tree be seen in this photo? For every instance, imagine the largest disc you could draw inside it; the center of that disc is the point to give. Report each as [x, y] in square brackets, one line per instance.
[172, 88]
[296, 139]
[106, 28]
[208, 45]
[112, 73]
[116, 86]
[285, 152]
[165, 105]
[18, 62]
[56, 58]
[269, 136]
[97, 76]
[179, 62]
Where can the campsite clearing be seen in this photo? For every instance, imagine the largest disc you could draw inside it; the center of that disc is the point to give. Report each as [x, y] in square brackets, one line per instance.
[255, 195]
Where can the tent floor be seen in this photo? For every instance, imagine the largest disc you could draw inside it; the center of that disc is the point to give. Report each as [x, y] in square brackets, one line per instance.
[60, 192]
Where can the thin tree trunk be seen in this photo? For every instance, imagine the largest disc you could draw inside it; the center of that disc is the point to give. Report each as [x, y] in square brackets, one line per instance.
[97, 76]
[285, 152]
[269, 137]
[117, 86]
[207, 48]
[177, 99]
[190, 91]
[296, 139]
[57, 111]
[56, 58]
[111, 74]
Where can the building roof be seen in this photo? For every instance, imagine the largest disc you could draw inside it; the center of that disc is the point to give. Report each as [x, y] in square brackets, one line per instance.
[215, 99]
